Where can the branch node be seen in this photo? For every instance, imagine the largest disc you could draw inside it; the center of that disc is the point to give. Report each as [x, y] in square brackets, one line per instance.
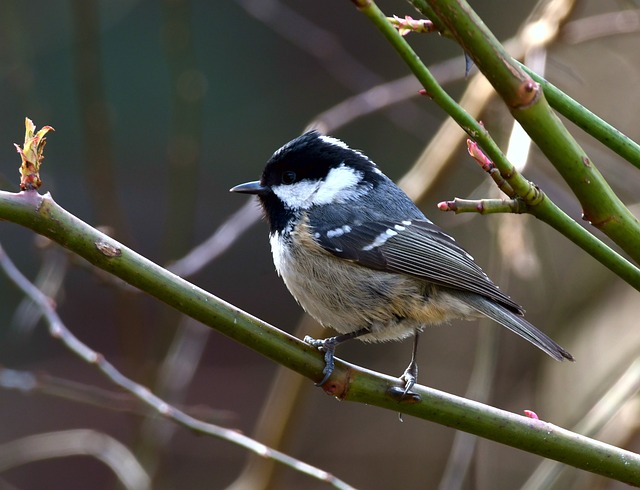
[409, 24]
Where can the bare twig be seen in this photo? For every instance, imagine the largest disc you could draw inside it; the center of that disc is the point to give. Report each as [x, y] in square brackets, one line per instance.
[276, 415]
[75, 442]
[58, 330]
[173, 379]
[50, 280]
[329, 53]
[214, 246]
[383, 96]
[30, 383]
[597, 26]
[95, 117]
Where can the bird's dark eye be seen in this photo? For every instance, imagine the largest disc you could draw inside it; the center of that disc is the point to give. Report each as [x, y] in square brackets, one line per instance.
[288, 177]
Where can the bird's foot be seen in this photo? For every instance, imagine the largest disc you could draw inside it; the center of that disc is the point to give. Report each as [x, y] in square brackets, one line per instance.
[328, 346]
[410, 376]
[405, 395]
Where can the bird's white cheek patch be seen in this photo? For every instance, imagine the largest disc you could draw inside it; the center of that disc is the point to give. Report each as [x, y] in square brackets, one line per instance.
[298, 195]
[341, 184]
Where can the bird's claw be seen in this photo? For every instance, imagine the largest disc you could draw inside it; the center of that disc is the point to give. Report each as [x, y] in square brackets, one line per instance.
[405, 395]
[329, 348]
[410, 376]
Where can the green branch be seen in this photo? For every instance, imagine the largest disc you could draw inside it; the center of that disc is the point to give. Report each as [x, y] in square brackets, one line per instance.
[538, 204]
[528, 105]
[351, 383]
[483, 206]
[586, 120]
[44, 216]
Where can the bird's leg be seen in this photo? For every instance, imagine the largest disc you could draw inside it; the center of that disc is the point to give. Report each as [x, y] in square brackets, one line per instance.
[329, 347]
[410, 375]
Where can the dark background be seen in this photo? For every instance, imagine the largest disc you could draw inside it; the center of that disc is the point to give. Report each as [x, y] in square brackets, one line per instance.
[159, 108]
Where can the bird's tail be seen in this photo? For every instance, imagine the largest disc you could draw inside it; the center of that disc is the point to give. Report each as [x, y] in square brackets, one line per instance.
[517, 324]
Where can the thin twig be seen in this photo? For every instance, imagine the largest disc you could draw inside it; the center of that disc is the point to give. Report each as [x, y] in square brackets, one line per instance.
[30, 383]
[349, 382]
[75, 442]
[538, 204]
[173, 379]
[214, 246]
[597, 26]
[50, 280]
[483, 206]
[58, 330]
[329, 53]
[95, 117]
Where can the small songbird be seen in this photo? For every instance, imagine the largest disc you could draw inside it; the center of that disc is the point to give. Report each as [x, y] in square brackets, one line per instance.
[362, 259]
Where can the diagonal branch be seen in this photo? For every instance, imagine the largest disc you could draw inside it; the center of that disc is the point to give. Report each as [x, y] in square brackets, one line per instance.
[528, 105]
[59, 330]
[77, 442]
[351, 383]
[538, 204]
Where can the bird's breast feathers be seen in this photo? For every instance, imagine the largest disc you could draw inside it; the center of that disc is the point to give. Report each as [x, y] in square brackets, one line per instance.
[348, 296]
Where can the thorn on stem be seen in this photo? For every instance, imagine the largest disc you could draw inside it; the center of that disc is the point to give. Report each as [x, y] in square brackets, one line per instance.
[527, 93]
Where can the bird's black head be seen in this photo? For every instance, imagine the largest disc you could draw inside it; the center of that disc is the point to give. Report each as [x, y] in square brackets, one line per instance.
[311, 170]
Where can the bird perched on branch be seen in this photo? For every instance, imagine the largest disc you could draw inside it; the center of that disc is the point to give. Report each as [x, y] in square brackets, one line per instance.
[362, 259]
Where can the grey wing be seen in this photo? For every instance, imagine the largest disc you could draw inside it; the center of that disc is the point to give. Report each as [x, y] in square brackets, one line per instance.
[413, 247]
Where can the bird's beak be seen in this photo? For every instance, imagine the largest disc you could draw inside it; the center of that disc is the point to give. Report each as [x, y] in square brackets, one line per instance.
[250, 188]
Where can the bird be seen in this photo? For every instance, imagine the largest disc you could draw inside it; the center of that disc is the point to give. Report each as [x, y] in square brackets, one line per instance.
[360, 257]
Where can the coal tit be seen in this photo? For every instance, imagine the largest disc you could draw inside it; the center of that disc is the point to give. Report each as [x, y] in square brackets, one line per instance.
[361, 258]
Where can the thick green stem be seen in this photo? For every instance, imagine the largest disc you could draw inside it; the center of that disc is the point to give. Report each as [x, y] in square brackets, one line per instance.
[44, 216]
[524, 97]
[530, 194]
[586, 120]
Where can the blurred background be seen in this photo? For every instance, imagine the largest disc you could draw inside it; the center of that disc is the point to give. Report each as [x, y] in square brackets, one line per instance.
[158, 109]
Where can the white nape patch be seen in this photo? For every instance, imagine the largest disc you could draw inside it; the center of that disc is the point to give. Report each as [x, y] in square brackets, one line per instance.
[341, 144]
[341, 184]
[330, 140]
[337, 232]
[380, 240]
